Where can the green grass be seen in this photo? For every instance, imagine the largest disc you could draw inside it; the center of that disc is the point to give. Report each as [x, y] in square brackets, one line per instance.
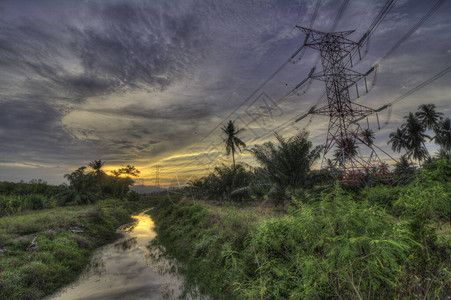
[12, 204]
[335, 246]
[60, 256]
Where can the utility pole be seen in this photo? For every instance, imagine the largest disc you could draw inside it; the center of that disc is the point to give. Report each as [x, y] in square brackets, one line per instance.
[344, 134]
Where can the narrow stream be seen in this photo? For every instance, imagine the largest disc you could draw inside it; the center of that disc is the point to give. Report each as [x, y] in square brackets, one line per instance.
[127, 269]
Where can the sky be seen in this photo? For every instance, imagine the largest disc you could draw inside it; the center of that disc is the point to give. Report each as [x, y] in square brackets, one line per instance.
[150, 83]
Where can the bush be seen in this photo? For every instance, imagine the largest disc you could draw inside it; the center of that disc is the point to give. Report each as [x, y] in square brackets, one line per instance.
[385, 197]
[225, 183]
[287, 164]
[335, 248]
[133, 196]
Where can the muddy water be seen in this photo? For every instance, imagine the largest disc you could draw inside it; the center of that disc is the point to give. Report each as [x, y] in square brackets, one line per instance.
[127, 269]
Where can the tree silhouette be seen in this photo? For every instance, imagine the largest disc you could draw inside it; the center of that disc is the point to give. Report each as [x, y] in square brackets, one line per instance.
[96, 166]
[398, 140]
[82, 187]
[428, 117]
[415, 137]
[232, 141]
[443, 136]
[404, 166]
[368, 136]
[287, 163]
[129, 171]
[97, 172]
[347, 151]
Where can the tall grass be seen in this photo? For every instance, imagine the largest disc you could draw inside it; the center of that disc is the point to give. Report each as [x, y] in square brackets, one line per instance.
[11, 204]
[340, 245]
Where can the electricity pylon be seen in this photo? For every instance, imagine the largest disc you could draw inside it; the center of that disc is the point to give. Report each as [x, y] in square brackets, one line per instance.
[354, 153]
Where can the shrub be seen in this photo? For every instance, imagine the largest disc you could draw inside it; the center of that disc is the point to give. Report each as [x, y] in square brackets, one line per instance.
[133, 196]
[336, 248]
[384, 197]
[287, 164]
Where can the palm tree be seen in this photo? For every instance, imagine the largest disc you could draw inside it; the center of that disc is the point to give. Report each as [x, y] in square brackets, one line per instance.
[287, 164]
[368, 136]
[416, 137]
[97, 172]
[232, 141]
[347, 151]
[398, 140]
[96, 166]
[443, 136]
[404, 166]
[443, 154]
[428, 117]
[82, 188]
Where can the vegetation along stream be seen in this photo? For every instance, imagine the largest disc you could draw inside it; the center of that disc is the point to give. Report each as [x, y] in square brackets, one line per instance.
[127, 269]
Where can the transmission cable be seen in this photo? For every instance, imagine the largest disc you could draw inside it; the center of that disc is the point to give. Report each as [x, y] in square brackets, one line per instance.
[413, 29]
[268, 79]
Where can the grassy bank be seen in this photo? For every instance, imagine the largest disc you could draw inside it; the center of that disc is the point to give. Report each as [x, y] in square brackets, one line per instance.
[41, 251]
[340, 245]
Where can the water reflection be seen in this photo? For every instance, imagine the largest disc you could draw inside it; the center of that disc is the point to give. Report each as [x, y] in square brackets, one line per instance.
[128, 269]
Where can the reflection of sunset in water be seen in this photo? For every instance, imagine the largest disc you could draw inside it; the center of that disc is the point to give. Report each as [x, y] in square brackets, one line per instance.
[142, 228]
[126, 269]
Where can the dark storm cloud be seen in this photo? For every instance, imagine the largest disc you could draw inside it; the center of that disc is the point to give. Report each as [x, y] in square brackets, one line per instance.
[140, 44]
[130, 43]
[49, 64]
[175, 112]
[30, 127]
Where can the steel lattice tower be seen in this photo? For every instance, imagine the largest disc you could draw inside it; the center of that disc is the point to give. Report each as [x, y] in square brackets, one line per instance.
[354, 153]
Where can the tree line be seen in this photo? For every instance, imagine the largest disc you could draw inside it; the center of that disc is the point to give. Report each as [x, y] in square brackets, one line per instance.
[86, 185]
[285, 167]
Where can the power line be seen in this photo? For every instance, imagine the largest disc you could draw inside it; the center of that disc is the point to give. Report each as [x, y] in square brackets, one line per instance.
[292, 121]
[315, 13]
[376, 22]
[421, 85]
[411, 91]
[290, 93]
[413, 29]
[269, 78]
[337, 19]
[341, 11]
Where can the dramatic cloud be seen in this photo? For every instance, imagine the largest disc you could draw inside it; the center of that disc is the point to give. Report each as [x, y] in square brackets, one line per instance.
[150, 82]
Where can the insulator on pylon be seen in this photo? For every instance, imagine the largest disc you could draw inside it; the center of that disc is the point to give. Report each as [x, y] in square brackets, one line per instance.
[357, 90]
[367, 123]
[378, 125]
[366, 85]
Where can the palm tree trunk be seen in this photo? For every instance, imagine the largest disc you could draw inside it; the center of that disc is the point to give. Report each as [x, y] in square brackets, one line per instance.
[233, 156]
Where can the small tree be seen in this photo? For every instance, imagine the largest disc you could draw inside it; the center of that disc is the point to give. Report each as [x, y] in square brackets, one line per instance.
[125, 182]
[97, 172]
[82, 187]
[232, 141]
[287, 164]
